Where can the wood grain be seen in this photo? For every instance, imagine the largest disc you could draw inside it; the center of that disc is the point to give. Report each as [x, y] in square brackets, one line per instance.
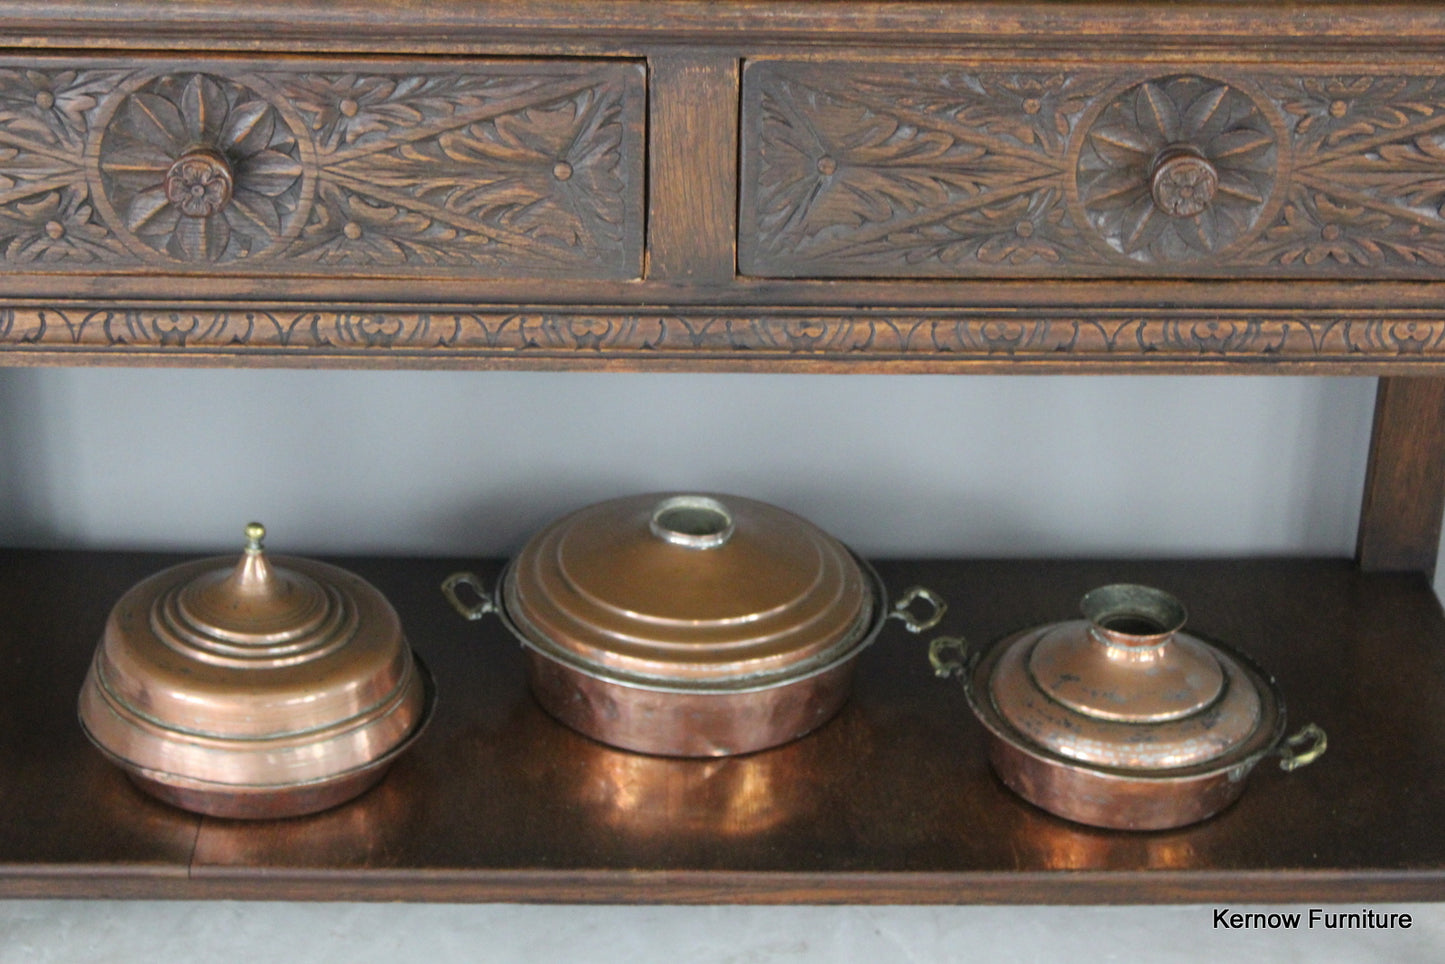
[1086, 30]
[892, 801]
[1404, 498]
[692, 225]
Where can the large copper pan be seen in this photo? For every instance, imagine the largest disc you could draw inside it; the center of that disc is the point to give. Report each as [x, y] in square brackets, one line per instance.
[1122, 720]
[689, 625]
[254, 687]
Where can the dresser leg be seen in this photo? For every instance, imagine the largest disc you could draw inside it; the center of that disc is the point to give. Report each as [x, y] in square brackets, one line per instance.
[1405, 483]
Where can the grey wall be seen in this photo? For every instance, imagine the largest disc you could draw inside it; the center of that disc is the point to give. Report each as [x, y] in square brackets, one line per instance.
[448, 463]
[469, 464]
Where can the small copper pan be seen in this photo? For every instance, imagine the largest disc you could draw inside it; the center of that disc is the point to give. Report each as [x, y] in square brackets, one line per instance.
[689, 625]
[1121, 720]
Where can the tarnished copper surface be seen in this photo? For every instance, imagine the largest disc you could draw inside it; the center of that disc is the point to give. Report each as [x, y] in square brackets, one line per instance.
[689, 625]
[669, 802]
[1122, 720]
[1128, 661]
[254, 686]
[682, 723]
[1141, 744]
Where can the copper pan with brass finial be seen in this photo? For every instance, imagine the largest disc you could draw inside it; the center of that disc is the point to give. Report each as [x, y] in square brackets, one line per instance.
[254, 686]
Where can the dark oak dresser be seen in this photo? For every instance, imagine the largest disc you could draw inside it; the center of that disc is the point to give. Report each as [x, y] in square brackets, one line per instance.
[994, 187]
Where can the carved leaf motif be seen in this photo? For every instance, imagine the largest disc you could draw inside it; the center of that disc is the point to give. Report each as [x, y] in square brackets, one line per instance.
[46, 213]
[504, 167]
[1097, 334]
[50, 106]
[1365, 158]
[356, 109]
[887, 171]
[533, 173]
[1314, 229]
[1330, 112]
[58, 227]
[1369, 193]
[24, 172]
[1025, 109]
[349, 229]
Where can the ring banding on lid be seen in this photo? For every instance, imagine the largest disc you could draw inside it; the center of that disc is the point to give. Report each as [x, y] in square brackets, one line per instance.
[687, 589]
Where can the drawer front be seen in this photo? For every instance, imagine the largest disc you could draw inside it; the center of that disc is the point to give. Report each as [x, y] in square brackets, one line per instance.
[902, 170]
[365, 168]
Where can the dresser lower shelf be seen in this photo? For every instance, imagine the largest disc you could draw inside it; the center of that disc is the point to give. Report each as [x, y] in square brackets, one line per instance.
[891, 802]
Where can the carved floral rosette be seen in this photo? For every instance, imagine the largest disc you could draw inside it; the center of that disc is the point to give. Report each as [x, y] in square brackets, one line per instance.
[1177, 169]
[520, 168]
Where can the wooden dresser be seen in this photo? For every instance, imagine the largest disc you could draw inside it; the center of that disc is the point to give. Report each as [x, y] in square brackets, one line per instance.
[1212, 188]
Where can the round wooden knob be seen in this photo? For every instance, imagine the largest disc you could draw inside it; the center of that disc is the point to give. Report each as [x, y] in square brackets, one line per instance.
[1182, 181]
[199, 182]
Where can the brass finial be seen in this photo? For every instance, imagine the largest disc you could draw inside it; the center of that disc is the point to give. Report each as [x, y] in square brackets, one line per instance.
[255, 532]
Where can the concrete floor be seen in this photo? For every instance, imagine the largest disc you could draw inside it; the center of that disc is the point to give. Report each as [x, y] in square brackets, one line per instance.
[157, 932]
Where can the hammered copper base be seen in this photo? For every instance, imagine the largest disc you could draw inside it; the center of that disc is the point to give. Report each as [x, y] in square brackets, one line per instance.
[1113, 801]
[689, 724]
[277, 801]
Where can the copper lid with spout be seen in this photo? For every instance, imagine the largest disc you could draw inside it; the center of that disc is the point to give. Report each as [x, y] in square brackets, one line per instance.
[1125, 687]
[256, 686]
[694, 590]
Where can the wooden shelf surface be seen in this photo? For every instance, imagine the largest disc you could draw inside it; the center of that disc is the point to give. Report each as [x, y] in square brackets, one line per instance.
[893, 801]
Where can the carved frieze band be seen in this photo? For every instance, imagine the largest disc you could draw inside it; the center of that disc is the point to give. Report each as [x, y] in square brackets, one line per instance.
[518, 168]
[891, 170]
[938, 336]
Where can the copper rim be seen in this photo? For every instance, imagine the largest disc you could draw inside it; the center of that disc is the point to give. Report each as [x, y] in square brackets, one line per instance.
[859, 637]
[1262, 739]
[274, 800]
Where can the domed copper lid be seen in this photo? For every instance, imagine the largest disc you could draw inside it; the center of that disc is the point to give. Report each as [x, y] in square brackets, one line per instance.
[252, 677]
[695, 589]
[1126, 688]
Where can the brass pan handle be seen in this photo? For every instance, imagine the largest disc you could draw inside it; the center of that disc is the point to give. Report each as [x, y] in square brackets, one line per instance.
[486, 603]
[1303, 748]
[945, 665]
[911, 622]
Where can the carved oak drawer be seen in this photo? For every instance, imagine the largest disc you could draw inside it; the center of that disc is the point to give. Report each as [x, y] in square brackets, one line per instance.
[475, 168]
[946, 171]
